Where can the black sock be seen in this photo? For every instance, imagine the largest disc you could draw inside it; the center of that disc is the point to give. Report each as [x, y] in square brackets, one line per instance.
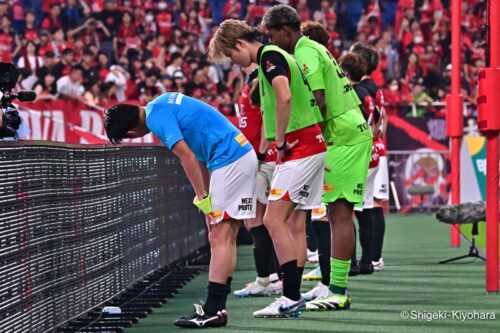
[228, 291]
[365, 235]
[322, 231]
[354, 259]
[291, 283]
[263, 246]
[216, 298]
[378, 232]
[312, 245]
[300, 271]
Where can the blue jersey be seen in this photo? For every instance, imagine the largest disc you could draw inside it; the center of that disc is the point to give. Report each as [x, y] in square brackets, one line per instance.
[211, 137]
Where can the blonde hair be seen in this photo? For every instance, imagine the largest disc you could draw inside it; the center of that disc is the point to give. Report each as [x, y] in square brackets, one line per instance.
[226, 37]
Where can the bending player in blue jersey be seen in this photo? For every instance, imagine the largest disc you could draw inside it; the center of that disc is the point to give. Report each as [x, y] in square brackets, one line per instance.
[221, 166]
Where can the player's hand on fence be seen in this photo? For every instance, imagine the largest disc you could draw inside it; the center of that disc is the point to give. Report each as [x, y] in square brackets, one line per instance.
[283, 151]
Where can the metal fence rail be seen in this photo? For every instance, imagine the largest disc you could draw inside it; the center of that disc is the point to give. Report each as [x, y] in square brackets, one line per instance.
[79, 224]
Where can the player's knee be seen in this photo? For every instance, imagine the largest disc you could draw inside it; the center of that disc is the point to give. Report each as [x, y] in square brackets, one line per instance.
[221, 234]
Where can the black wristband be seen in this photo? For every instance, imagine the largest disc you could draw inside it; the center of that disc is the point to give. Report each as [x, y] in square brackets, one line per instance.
[282, 147]
[261, 157]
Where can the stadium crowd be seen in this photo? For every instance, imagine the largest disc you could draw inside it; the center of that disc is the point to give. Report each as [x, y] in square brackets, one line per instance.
[100, 51]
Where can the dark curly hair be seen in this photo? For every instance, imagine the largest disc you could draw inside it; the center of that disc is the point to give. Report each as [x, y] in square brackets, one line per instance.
[281, 15]
[369, 55]
[119, 119]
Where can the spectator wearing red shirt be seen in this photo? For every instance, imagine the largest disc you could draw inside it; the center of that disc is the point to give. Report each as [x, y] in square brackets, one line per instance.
[395, 99]
[58, 42]
[165, 22]
[53, 20]
[8, 38]
[45, 44]
[30, 31]
[126, 31]
[231, 9]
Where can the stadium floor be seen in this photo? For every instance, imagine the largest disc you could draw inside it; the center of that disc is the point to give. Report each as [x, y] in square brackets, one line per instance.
[411, 281]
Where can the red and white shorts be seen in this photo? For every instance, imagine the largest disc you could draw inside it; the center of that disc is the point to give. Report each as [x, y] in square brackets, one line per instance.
[264, 179]
[299, 181]
[381, 190]
[319, 213]
[232, 189]
[369, 190]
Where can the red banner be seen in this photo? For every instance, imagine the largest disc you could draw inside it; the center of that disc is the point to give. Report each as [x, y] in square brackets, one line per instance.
[67, 121]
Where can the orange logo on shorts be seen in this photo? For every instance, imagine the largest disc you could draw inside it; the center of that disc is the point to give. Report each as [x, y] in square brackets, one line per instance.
[276, 192]
[328, 187]
[241, 139]
[216, 214]
[319, 211]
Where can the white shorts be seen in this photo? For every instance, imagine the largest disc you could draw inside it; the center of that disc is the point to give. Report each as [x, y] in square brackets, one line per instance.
[318, 213]
[232, 189]
[264, 178]
[300, 181]
[381, 190]
[370, 186]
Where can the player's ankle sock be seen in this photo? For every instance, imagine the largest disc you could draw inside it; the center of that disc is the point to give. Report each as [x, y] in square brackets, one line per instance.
[339, 272]
[262, 247]
[322, 231]
[291, 282]
[378, 232]
[228, 291]
[273, 277]
[365, 234]
[215, 298]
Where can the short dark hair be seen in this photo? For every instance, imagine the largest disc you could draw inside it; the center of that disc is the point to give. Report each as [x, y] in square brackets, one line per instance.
[369, 55]
[353, 65]
[119, 119]
[281, 15]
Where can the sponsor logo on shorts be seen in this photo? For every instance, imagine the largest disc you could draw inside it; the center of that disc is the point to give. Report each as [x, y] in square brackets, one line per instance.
[240, 138]
[305, 69]
[305, 191]
[216, 214]
[320, 138]
[318, 211]
[275, 192]
[246, 204]
[363, 127]
[328, 187]
[358, 190]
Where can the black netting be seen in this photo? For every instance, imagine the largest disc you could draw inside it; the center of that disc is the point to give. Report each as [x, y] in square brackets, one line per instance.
[80, 224]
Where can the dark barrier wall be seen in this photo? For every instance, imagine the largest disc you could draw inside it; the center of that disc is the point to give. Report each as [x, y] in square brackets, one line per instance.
[79, 224]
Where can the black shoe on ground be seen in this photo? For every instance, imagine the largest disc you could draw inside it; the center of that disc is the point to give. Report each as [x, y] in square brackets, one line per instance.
[366, 268]
[354, 270]
[200, 320]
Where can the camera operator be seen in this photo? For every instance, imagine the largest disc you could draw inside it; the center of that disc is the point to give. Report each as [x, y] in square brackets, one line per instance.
[11, 124]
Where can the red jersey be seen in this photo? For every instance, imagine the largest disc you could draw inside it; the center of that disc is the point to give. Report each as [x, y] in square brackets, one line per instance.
[250, 124]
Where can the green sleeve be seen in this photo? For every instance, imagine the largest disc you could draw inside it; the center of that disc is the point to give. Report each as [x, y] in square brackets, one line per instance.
[311, 65]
